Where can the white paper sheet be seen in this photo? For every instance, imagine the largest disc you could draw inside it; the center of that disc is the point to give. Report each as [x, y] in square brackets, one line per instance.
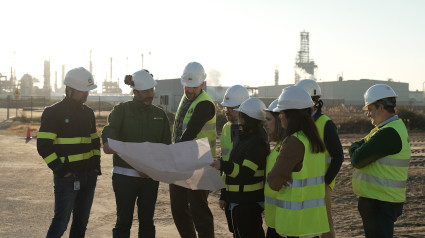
[186, 164]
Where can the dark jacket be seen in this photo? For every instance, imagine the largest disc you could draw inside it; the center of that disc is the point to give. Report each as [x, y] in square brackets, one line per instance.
[246, 166]
[134, 121]
[68, 139]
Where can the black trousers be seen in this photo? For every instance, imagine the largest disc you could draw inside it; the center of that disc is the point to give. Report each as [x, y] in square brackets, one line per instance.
[247, 221]
[228, 214]
[271, 233]
[378, 217]
[190, 211]
[128, 192]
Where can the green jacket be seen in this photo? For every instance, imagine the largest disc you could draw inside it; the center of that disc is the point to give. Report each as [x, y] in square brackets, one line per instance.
[134, 121]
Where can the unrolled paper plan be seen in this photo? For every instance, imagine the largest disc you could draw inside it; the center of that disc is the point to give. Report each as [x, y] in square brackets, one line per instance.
[186, 164]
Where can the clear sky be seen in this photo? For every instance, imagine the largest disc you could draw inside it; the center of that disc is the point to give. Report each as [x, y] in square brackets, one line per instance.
[238, 42]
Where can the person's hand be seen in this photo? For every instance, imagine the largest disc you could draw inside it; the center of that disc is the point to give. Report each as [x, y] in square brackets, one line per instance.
[216, 164]
[288, 182]
[67, 175]
[278, 183]
[108, 149]
[143, 175]
[353, 147]
[222, 204]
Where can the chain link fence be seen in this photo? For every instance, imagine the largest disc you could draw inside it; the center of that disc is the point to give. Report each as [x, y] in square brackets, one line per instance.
[30, 108]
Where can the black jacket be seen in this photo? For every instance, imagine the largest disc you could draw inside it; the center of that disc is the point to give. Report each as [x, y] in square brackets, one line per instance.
[246, 166]
[68, 139]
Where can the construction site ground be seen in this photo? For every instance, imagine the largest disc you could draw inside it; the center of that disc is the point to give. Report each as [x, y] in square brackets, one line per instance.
[27, 201]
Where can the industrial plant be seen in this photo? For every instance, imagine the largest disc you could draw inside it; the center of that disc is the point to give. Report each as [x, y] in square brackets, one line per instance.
[169, 91]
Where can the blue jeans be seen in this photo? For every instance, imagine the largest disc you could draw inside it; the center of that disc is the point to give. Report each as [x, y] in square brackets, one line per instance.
[68, 200]
[379, 217]
[128, 191]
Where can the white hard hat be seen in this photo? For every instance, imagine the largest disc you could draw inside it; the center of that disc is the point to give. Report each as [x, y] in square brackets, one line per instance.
[234, 96]
[293, 97]
[143, 80]
[253, 107]
[311, 86]
[193, 75]
[272, 106]
[80, 79]
[376, 92]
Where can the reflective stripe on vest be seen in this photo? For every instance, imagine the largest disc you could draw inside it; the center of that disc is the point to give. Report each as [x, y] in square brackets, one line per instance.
[245, 188]
[380, 181]
[46, 135]
[300, 208]
[69, 141]
[248, 163]
[319, 202]
[300, 183]
[79, 157]
[320, 124]
[209, 129]
[50, 158]
[94, 135]
[72, 141]
[259, 173]
[235, 171]
[386, 178]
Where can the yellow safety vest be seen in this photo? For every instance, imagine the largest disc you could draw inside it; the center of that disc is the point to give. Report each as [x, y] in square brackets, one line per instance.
[209, 129]
[226, 141]
[386, 178]
[320, 124]
[301, 208]
[269, 194]
[226, 144]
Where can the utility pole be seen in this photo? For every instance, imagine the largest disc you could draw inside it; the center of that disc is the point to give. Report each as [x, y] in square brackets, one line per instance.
[150, 59]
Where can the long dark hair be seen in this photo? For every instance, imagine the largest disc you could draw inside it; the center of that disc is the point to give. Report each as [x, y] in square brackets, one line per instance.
[301, 120]
[251, 124]
[279, 131]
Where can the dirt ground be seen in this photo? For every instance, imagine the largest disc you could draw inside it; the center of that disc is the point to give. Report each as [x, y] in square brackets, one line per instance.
[26, 194]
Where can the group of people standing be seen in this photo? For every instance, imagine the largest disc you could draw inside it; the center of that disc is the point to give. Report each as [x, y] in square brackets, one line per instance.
[291, 185]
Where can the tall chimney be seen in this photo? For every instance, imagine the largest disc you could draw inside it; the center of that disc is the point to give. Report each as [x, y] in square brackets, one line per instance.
[47, 75]
[91, 64]
[111, 69]
[276, 76]
[56, 80]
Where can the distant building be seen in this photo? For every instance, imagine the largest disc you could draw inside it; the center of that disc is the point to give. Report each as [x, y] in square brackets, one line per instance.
[6, 85]
[349, 92]
[217, 92]
[27, 85]
[110, 87]
[416, 98]
[168, 94]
